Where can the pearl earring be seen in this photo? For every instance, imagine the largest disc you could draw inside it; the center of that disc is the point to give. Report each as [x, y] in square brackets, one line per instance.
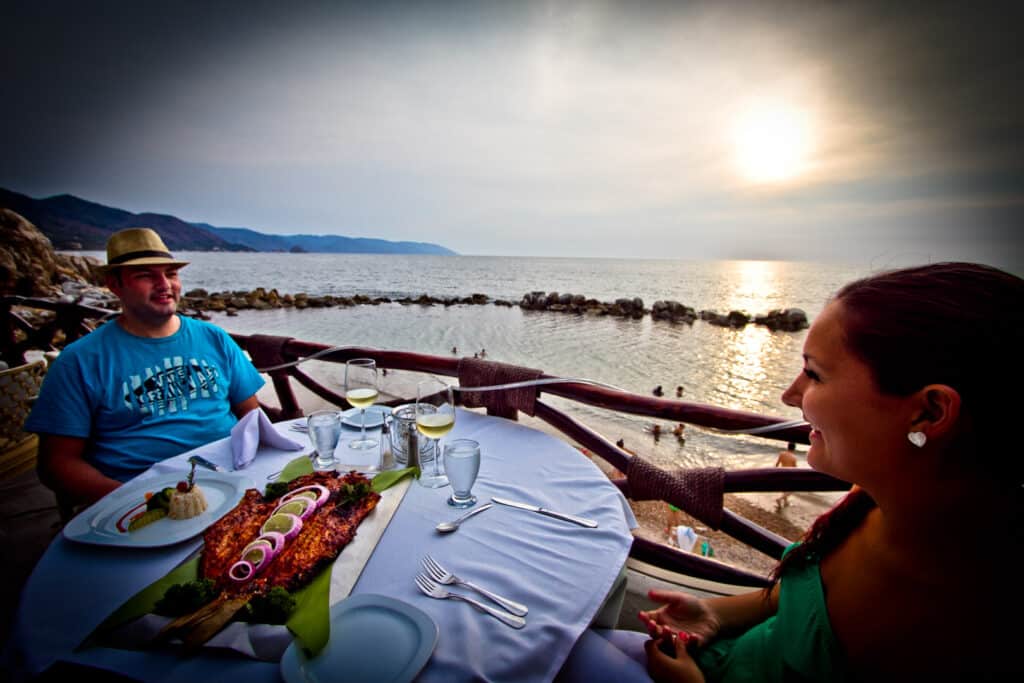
[919, 439]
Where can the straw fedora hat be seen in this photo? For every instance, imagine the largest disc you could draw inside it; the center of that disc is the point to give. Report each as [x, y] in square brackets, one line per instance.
[138, 247]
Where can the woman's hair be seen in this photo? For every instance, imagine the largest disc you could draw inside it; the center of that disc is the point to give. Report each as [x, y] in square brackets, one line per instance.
[959, 324]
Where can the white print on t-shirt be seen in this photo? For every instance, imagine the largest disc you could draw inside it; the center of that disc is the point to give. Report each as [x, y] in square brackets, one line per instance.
[168, 389]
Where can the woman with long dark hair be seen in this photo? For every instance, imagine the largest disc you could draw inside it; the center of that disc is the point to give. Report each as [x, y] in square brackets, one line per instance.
[912, 383]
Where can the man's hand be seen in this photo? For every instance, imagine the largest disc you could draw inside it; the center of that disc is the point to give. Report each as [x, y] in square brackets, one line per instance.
[63, 468]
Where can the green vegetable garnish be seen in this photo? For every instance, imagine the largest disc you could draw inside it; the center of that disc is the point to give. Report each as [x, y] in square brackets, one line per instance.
[353, 493]
[273, 608]
[275, 490]
[185, 598]
[161, 500]
[147, 517]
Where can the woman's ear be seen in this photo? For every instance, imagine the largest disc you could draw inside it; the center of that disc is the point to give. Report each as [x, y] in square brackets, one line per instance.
[938, 411]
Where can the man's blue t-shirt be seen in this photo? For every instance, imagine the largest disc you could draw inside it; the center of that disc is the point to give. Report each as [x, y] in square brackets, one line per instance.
[138, 400]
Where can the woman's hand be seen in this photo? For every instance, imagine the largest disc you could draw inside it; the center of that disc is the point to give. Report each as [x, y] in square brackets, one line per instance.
[681, 612]
[668, 669]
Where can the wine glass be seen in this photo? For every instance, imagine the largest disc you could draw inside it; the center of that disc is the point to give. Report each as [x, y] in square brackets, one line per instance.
[361, 391]
[435, 417]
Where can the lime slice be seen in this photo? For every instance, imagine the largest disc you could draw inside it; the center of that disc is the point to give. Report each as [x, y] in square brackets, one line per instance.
[255, 556]
[266, 544]
[295, 506]
[283, 523]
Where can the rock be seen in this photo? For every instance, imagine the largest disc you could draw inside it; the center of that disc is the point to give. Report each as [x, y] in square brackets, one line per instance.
[788, 319]
[29, 266]
[628, 308]
[673, 311]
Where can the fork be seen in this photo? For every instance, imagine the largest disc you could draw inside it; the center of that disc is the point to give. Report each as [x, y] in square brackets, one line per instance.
[434, 590]
[442, 575]
[274, 475]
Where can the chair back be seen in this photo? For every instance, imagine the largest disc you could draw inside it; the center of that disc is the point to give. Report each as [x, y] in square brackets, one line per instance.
[19, 387]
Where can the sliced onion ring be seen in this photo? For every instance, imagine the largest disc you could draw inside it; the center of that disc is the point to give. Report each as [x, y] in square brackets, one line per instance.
[276, 540]
[241, 571]
[265, 542]
[258, 556]
[291, 523]
[307, 506]
[323, 493]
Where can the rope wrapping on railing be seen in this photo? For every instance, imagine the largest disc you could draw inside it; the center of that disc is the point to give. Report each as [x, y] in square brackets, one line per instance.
[266, 348]
[474, 372]
[699, 492]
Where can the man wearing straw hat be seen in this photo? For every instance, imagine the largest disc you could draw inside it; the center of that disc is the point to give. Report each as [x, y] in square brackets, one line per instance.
[145, 387]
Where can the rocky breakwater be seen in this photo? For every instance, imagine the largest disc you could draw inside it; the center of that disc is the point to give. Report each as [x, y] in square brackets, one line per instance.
[261, 299]
[788, 319]
[579, 304]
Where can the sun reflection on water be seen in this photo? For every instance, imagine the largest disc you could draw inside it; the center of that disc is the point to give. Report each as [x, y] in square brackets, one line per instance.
[754, 286]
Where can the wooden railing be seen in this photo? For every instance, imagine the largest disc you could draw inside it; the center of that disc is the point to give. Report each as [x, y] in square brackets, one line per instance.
[281, 359]
[70, 320]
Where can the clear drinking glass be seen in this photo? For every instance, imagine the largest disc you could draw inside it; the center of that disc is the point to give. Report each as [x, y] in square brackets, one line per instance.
[462, 464]
[361, 391]
[324, 431]
[435, 417]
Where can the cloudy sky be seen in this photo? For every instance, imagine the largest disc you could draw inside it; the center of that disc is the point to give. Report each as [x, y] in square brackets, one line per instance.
[877, 132]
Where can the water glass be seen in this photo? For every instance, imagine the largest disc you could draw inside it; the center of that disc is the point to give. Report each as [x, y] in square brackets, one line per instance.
[324, 431]
[461, 464]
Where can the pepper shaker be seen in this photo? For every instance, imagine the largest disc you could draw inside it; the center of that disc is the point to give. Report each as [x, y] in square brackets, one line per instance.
[412, 447]
[385, 460]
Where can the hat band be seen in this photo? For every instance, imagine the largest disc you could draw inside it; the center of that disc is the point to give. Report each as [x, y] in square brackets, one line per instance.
[138, 254]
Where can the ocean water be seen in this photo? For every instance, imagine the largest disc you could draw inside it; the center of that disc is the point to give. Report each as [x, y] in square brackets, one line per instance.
[745, 369]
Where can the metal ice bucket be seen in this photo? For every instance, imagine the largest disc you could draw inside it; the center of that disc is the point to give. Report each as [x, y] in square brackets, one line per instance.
[405, 438]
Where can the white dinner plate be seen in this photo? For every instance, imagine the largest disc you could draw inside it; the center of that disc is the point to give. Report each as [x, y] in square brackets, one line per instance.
[374, 639]
[98, 524]
[374, 417]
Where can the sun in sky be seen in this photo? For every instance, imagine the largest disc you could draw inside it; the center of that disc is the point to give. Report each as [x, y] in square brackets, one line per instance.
[772, 141]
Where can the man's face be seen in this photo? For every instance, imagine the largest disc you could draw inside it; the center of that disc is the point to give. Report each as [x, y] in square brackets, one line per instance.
[148, 294]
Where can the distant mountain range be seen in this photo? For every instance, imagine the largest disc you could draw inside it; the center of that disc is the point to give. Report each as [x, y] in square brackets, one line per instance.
[76, 224]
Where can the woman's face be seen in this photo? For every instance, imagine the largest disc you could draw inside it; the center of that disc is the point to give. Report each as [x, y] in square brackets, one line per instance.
[856, 430]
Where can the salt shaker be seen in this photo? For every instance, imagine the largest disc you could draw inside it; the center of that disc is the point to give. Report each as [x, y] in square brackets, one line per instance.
[412, 448]
[385, 460]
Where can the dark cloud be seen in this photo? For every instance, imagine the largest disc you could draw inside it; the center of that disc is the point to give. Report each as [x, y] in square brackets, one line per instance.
[935, 85]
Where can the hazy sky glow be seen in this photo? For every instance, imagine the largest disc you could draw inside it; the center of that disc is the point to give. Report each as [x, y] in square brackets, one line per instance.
[854, 131]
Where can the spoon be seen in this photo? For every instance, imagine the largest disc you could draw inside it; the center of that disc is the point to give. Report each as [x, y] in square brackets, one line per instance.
[447, 527]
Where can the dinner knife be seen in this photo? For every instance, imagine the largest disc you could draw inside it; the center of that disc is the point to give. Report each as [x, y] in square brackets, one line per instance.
[203, 462]
[582, 521]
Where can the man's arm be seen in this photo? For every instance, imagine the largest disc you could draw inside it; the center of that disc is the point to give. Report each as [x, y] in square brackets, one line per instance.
[240, 409]
[63, 468]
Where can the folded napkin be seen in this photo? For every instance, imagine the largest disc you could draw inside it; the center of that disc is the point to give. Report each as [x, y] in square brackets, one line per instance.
[254, 430]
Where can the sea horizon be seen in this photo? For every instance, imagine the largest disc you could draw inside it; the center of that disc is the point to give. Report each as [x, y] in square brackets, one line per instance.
[743, 369]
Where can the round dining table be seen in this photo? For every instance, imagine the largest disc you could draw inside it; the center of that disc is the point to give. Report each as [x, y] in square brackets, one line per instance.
[562, 572]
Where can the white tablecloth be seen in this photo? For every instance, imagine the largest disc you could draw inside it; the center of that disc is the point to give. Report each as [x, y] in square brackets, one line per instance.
[563, 572]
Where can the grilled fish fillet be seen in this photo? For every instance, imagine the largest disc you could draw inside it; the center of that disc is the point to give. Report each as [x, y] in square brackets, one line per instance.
[323, 536]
